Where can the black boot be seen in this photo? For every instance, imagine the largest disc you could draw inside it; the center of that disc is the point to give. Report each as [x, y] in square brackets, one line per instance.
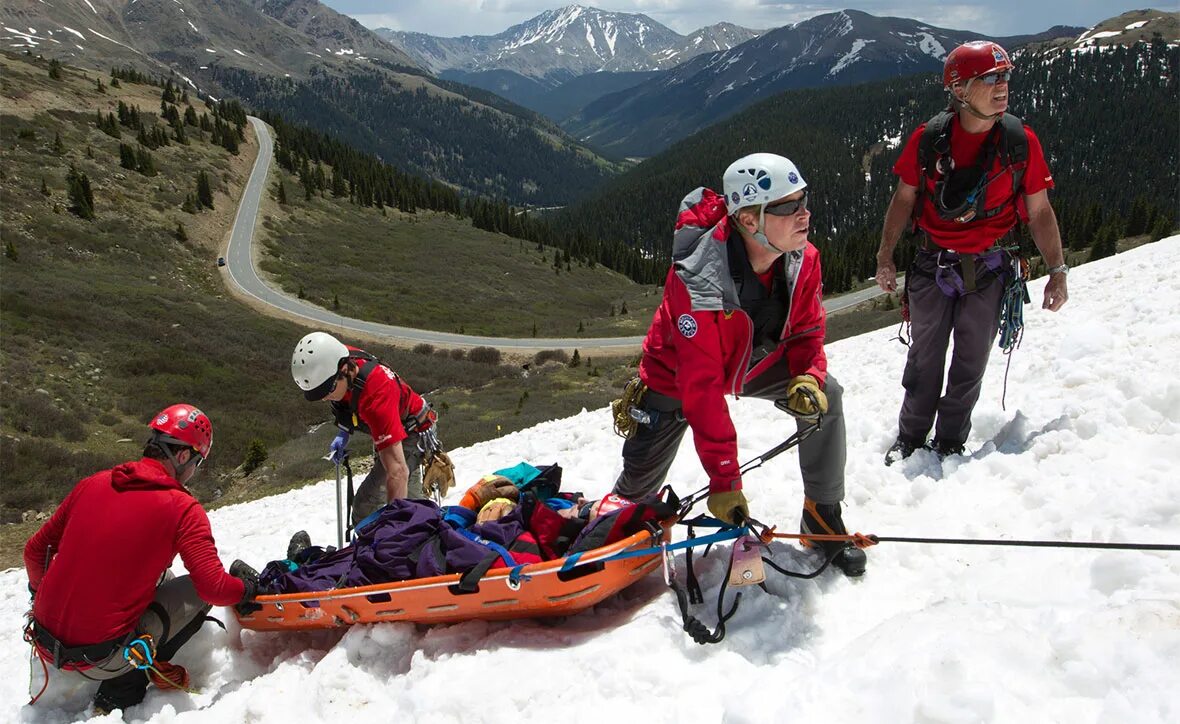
[825, 519]
[945, 448]
[300, 542]
[121, 692]
[901, 450]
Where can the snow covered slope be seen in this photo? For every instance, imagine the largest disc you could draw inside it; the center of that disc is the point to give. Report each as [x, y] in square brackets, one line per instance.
[1088, 450]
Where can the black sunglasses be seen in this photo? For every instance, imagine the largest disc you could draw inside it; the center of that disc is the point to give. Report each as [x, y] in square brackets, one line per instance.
[993, 78]
[788, 208]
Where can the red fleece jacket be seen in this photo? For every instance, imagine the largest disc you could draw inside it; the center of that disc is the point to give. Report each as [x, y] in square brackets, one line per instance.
[108, 544]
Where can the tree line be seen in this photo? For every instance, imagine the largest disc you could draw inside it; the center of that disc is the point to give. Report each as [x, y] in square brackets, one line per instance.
[1107, 121]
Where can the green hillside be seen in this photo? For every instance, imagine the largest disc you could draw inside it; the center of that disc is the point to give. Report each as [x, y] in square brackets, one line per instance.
[105, 320]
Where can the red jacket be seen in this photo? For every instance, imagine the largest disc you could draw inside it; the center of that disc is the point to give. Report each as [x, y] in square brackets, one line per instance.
[385, 403]
[112, 538]
[699, 344]
[980, 234]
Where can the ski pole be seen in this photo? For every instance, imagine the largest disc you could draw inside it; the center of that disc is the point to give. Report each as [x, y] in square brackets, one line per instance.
[339, 515]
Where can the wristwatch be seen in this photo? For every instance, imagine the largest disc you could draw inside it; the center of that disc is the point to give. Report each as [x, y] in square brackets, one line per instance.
[1059, 269]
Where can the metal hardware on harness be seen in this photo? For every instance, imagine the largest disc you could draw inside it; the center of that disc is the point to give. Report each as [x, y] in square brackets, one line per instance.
[140, 653]
[746, 562]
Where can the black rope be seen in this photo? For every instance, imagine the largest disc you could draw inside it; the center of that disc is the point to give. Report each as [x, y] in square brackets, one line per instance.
[1028, 543]
[796, 574]
[696, 628]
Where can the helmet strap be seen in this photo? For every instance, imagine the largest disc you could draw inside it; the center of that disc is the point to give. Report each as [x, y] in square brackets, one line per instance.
[964, 104]
[166, 447]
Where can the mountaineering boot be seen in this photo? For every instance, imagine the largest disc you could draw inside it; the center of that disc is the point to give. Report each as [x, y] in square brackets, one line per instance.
[121, 692]
[167, 675]
[945, 448]
[300, 542]
[824, 519]
[901, 450]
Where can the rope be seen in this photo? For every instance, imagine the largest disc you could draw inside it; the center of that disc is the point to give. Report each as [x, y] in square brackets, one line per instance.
[1012, 319]
[34, 654]
[1025, 543]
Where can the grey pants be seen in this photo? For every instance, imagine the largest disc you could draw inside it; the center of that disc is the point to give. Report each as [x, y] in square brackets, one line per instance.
[973, 319]
[649, 454]
[371, 494]
[172, 615]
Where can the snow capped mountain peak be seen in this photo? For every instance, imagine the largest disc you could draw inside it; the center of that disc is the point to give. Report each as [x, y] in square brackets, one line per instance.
[570, 41]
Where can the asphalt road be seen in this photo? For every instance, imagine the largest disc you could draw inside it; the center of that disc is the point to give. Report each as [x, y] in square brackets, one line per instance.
[244, 276]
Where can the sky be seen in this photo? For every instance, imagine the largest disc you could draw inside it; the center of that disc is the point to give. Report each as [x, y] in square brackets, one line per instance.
[449, 18]
[1087, 450]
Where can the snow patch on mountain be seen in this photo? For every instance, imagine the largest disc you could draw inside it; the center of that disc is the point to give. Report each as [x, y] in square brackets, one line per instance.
[850, 57]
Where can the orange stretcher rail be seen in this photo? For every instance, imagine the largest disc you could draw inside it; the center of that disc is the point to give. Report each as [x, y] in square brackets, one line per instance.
[543, 590]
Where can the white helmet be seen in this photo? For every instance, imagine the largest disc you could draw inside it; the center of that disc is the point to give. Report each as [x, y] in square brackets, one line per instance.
[759, 179]
[316, 362]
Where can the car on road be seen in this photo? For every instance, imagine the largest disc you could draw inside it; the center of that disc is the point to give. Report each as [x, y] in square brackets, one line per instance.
[221, 261]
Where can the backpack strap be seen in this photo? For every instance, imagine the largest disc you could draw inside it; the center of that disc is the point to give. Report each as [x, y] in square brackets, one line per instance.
[1014, 150]
[934, 143]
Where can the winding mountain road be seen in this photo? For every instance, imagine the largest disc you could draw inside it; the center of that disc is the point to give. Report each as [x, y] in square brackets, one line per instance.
[243, 275]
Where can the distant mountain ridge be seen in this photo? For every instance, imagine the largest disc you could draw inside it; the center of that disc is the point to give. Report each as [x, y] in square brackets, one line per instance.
[568, 42]
[323, 69]
[841, 48]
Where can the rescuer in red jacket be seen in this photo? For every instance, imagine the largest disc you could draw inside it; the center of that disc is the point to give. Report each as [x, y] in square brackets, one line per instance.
[742, 315]
[98, 568]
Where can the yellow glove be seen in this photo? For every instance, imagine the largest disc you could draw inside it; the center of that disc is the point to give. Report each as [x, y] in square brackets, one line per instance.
[800, 393]
[724, 505]
[439, 476]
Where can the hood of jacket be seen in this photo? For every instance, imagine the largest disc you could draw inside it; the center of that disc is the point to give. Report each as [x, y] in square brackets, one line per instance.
[143, 474]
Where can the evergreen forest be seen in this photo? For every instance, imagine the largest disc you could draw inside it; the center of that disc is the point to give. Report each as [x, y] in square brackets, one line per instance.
[1108, 122]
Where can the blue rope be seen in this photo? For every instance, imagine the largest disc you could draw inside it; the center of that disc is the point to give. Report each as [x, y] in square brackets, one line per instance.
[729, 534]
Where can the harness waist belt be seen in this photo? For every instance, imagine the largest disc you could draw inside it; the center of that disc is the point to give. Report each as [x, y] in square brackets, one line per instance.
[87, 655]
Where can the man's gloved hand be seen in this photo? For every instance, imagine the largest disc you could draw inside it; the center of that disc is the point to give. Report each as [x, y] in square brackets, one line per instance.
[241, 569]
[439, 476]
[804, 397]
[726, 505]
[338, 450]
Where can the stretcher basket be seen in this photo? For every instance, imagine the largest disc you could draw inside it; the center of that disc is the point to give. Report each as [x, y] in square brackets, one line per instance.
[551, 588]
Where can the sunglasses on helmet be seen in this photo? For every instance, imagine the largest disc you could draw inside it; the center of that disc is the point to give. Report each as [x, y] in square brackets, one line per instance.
[996, 77]
[788, 208]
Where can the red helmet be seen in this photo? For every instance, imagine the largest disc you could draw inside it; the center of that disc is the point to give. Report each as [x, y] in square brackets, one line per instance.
[971, 60]
[184, 425]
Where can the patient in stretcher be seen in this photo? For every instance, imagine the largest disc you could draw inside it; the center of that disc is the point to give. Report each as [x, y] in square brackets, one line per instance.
[497, 523]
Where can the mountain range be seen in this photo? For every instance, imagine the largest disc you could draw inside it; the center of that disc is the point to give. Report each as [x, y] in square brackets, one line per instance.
[323, 69]
[561, 44]
[842, 48]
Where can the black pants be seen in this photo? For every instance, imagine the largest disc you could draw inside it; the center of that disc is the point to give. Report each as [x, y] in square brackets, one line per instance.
[648, 455]
[973, 320]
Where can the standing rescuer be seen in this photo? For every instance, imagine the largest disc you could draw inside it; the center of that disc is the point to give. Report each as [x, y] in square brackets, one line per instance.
[966, 177]
[98, 568]
[367, 395]
[741, 315]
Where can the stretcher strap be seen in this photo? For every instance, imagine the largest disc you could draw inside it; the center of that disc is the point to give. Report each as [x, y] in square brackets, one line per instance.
[730, 534]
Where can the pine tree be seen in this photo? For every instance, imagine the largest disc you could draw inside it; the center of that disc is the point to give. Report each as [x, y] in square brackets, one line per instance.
[576, 359]
[190, 205]
[58, 147]
[1104, 243]
[144, 163]
[126, 156]
[81, 198]
[181, 234]
[44, 187]
[282, 191]
[204, 190]
[10, 250]
[55, 69]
